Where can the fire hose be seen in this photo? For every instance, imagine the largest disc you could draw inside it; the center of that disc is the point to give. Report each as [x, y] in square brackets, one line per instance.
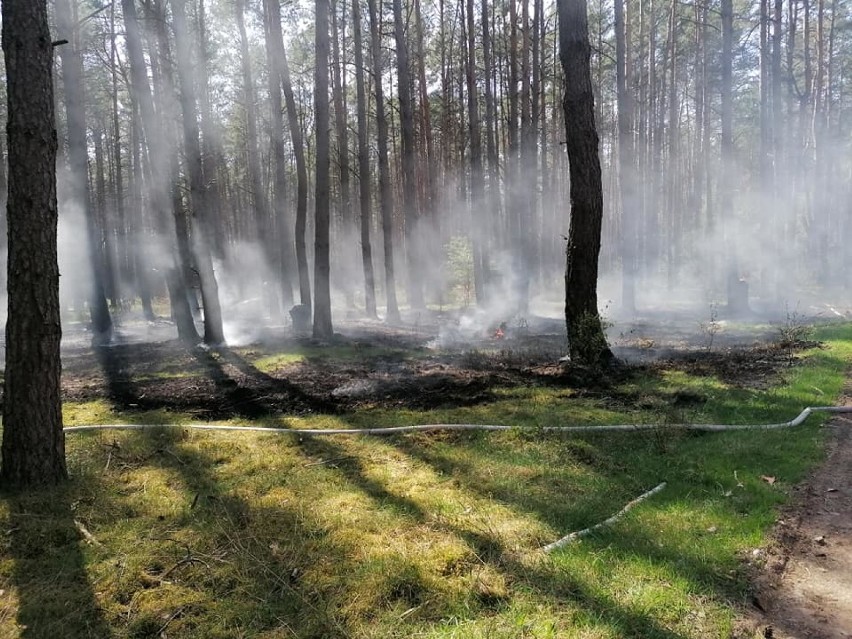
[422, 428]
[394, 430]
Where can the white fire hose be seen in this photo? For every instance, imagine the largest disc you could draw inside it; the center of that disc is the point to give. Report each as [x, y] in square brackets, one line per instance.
[396, 430]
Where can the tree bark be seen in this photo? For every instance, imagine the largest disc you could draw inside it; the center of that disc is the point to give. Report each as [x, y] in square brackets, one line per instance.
[213, 330]
[626, 167]
[363, 165]
[301, 163]
[477, 184]
[409, 182]
[276, 58]
[33, 448]
[737, 289]
[385, 194]
[346, 245]
[586, 339]
[211, 145]
[322, 294]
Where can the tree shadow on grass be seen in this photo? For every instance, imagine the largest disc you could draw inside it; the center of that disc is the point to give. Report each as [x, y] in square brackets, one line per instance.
[49, 575]
[246, 564]
[689, 562]
[553, 585]
[262, 394]
[218, 384]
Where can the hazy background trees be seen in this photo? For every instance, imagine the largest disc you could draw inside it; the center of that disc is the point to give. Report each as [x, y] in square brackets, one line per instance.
[724, 145]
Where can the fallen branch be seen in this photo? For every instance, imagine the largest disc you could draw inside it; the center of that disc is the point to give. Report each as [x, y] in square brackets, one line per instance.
[89, 537]
[183, 562]
[574, 536]
[396, 430]
[328, 461]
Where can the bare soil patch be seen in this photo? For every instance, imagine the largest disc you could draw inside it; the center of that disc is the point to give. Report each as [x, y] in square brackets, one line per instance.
[804, 589]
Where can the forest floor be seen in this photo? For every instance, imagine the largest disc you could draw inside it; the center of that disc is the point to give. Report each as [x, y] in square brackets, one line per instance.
[440, 363]
[191, 534]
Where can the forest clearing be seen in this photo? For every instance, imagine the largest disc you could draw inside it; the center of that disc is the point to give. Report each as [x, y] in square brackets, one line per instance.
[178, 533]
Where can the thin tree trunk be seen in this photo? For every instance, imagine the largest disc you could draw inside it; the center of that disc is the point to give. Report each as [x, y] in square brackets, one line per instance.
[347, 220]
[299, 154]
[428, 213]
[157, 149]
[261, 215]
[477, 186]
[122, 246]
[385, 194]
[211, 146]
[78, 160]
[737, 289]
[363, 165]
[322, 295]
[213, 330]
[277, 63]
[106, 256]
[413, 237]
[626, 169]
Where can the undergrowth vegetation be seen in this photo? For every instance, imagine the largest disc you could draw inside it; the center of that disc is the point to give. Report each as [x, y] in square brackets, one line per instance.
[176, 533]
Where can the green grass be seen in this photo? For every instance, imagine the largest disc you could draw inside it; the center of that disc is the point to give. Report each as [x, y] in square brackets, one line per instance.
[242, 535]
[267, 362]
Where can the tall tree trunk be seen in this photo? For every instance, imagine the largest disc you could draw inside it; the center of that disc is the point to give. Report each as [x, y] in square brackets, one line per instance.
[213, 330]
[537, 157]
[413, 237]
[779, 164]
[491, 209]
[429, 217]
[515, 221]
[385, 194]
[363, 165]
[33, 448]
[138, 174]
[211, 144]
[262, 217]
[156, 151]
[276, 57]
[737, 289]
[477, 186]
[765, 123]
[586, 340]
[78, 161]
[626, 167]
[673, 183]
[527, 171]
[301, 162]
[347, 220]
[104, 235]
[322, 294]
[122, 245]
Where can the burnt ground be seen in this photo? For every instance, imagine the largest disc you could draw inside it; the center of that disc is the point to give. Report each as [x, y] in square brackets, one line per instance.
[443, 363]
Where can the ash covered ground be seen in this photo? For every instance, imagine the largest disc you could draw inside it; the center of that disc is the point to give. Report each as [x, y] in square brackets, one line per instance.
[431, 360]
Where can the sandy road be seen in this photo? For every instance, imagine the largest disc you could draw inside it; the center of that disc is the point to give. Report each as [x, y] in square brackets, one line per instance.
[805, 589]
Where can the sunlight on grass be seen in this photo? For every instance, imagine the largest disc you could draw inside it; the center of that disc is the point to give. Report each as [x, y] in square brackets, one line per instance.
[436, 535]
[271, 363]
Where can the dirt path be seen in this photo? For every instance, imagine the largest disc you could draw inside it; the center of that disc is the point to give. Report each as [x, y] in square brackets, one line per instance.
[805, 589]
